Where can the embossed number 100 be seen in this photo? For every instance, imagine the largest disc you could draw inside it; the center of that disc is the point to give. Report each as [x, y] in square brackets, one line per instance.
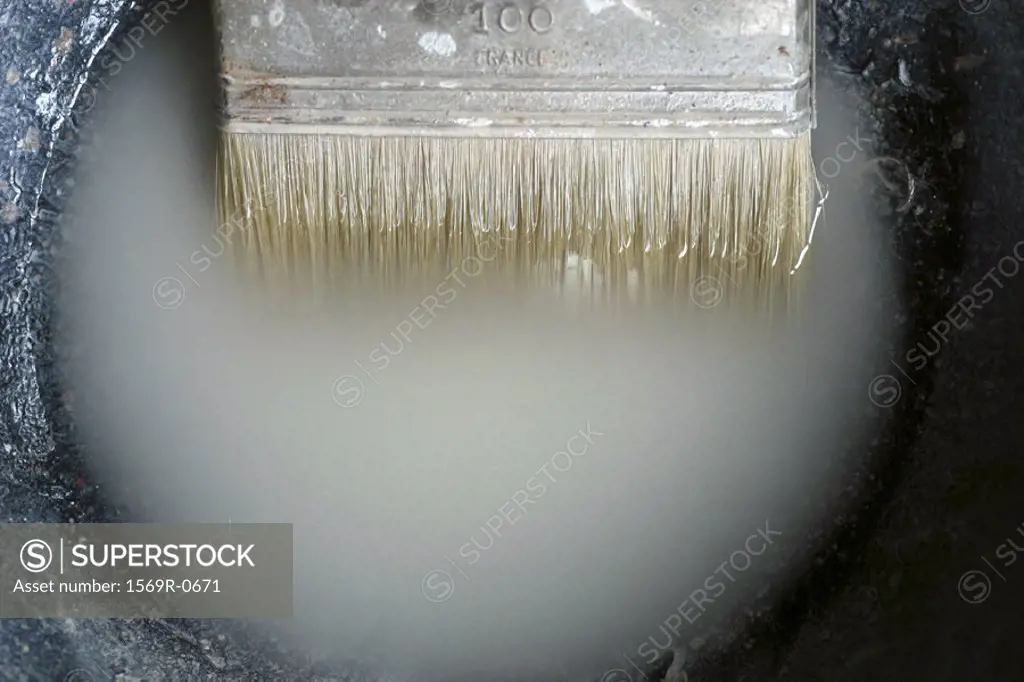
[511, 18]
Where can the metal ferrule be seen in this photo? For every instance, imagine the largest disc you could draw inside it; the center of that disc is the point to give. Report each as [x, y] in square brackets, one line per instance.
[519, 68]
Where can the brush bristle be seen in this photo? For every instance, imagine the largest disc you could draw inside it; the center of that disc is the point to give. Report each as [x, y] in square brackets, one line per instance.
[652, 217]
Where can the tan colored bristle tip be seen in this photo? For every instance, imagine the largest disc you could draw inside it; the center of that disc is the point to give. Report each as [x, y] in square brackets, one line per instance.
[648, 218]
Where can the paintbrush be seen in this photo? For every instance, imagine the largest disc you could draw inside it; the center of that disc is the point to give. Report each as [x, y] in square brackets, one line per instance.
[655, 147]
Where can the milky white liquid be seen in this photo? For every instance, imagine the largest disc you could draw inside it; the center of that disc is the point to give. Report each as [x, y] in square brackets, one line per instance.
[703, 424]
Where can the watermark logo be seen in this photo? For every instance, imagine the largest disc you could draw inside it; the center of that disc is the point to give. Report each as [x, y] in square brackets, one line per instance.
[348, 391]
[438, 586]
[139, 570]
[169, 293]
[437, 7]
[80, 675]
[885, 390]
[706, 292]
[36, 556]
[975, 585]
[975, 6]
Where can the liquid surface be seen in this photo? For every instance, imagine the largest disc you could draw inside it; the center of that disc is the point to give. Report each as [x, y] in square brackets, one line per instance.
[439, 523]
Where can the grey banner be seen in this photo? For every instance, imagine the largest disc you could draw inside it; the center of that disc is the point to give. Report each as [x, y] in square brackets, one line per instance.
[134, 570]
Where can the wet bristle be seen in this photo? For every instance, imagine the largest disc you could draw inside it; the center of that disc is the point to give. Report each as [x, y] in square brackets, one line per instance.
[635, 218]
